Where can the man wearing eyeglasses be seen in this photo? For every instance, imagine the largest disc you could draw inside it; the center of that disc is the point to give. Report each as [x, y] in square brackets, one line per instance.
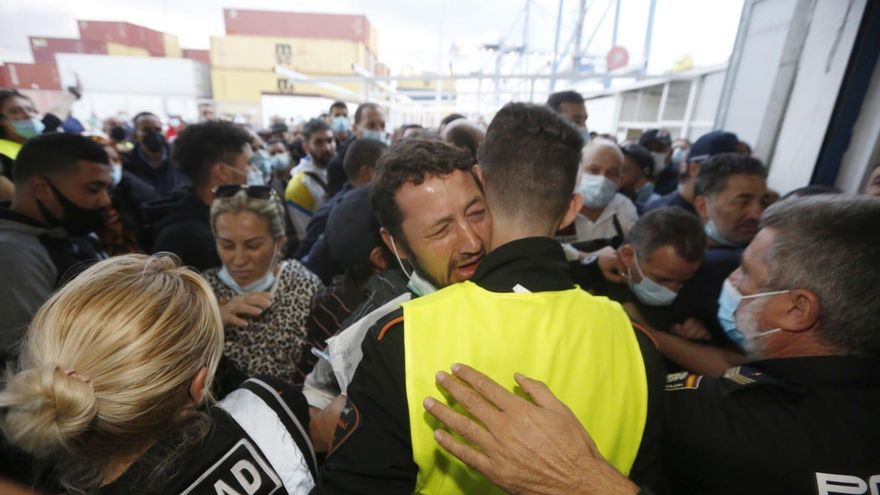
[211, 154]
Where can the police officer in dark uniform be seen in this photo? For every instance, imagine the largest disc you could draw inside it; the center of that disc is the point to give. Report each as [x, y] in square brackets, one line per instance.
[802, 416]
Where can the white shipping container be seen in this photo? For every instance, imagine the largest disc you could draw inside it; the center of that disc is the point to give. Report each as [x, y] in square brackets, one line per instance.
[136, 76]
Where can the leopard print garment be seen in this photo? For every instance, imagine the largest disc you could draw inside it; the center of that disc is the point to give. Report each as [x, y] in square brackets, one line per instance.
[272, 343]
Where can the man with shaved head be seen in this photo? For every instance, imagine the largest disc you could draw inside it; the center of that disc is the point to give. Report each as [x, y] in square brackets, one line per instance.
[606, 215]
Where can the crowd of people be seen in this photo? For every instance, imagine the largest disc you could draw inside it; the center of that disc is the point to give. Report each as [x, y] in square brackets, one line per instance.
[523, 307]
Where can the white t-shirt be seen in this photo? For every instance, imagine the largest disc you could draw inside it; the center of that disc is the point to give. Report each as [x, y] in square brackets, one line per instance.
[603, 227]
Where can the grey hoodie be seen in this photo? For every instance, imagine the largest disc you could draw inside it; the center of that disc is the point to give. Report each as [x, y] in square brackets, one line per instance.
[34, 260]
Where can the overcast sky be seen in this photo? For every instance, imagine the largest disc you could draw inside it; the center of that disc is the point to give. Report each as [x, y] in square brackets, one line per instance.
[410, 32]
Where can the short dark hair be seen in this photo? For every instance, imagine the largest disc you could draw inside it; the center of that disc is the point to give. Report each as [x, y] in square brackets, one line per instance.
[6, 94]
[825, 244]
[338, 104]
[360, 153]
[134, 120]
[530, 159]
[199, 146]
[465, 135]
[714, 174]
[641, 156]
[55, 154]
[669, 226]
[411, 161]
[313, 126]
[359, 111]
[452, 117]
[556, 100]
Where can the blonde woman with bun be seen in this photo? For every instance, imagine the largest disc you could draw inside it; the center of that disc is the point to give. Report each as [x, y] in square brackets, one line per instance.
[113, 391]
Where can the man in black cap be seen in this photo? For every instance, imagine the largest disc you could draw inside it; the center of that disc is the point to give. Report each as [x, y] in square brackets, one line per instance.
[706, 147]
[659, 143]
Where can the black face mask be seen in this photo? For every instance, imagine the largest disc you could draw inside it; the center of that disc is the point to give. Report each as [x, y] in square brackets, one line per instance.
[154, 141]
[77, 220]
[117, 133]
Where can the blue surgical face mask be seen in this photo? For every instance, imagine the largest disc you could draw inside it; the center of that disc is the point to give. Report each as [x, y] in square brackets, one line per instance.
[262, 162]
[678, 155]
[263, 284]
[377, 135]
[417, 284]
[648, 291]
[255, 177]
[712, 232]
[340, 124]
[585, 134]
[28, 128]
[281, 161]
[596, 190]
[728, 303]
[644, 194]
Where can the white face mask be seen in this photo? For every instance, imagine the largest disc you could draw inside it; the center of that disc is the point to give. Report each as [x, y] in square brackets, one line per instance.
[116, 173]
[417, 284]
[746, 319]
[266, 283]
[659, 161]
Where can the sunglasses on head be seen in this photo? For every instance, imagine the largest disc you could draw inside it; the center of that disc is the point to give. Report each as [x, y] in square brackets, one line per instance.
[253, 192]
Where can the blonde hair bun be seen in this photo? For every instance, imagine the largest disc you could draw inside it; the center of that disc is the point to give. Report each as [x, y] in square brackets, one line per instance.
[47, 409]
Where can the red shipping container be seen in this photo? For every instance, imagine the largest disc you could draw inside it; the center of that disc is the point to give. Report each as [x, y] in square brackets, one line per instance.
[297, 25]
[33, 76]
[199, 55]
[44, 49]
[124, 33]
[4, 77]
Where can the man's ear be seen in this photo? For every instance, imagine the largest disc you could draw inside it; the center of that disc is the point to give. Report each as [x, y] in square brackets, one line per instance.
[701, 204]
[389, 241]
[197, 387]
[799, 312]
[40, 188]
[219, 175]
[378, 258]
[575, 202]
[626, 253]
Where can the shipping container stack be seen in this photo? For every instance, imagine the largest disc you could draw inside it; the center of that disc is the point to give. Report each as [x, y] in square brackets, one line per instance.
[96, 38]
[243, 62]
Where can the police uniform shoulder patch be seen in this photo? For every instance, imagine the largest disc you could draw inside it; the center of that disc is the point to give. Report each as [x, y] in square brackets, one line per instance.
[349, 421]
[747, 377]
[682, 381]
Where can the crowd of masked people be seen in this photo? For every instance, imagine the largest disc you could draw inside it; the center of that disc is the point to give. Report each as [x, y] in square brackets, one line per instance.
[523, 307]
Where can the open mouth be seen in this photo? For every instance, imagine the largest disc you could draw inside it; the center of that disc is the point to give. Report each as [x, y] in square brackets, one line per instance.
[466, 270]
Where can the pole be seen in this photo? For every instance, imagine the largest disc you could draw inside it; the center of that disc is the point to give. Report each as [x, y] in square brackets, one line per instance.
[607, 82]
[555, 48]
[648, 34]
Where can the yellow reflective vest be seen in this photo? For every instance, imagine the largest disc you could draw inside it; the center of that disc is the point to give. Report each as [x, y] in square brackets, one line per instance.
[9, 148]
[582, 346]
